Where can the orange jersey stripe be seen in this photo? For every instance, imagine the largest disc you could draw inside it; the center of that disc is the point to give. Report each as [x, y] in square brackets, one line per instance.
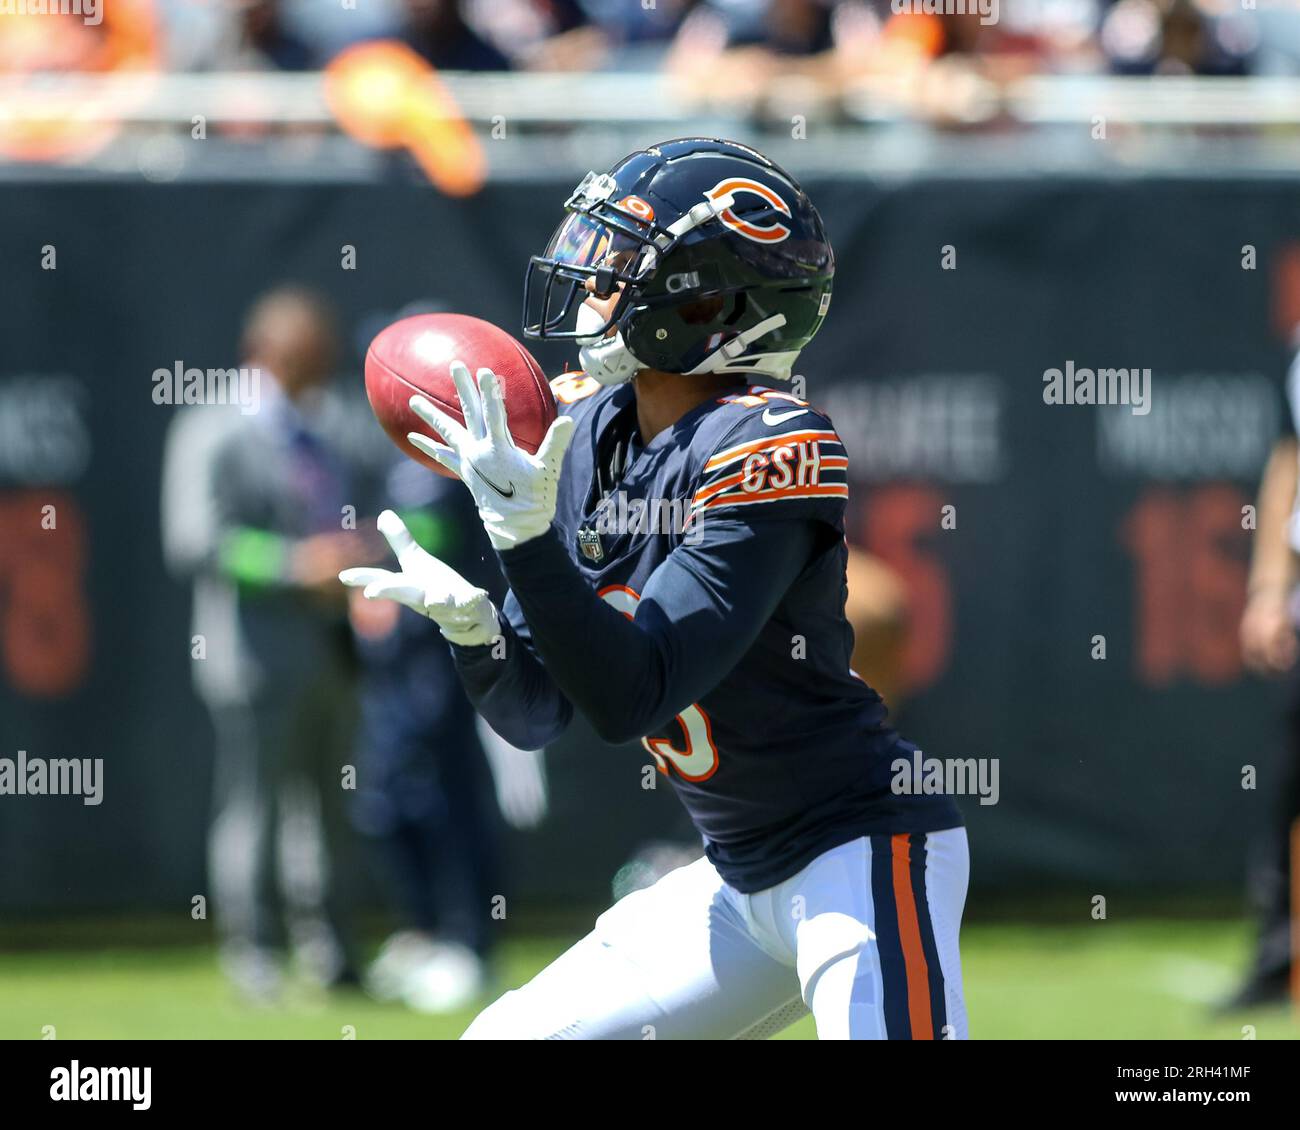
[833, 463]
[825, 490]
[766, 442]
[909, 931]
[705, 493]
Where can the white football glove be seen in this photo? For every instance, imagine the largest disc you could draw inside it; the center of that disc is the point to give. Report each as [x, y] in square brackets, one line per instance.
[463, 611]
[514, 491]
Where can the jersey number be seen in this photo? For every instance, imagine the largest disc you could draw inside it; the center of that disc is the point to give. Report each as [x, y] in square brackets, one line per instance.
[699, 760]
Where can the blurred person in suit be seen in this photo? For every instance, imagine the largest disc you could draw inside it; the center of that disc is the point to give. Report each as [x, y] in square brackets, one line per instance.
[429, 769]
[1269, 647]
[259, 511]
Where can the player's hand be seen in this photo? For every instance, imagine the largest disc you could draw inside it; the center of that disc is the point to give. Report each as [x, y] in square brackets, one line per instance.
[1268, 637]
[515, 491]
[463, 611]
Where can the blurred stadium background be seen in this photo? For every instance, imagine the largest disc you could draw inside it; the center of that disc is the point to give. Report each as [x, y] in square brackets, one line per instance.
[1112, 184]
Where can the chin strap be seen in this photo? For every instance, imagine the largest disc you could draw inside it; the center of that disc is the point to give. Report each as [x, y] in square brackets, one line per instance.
[730, 356]
[610, 362]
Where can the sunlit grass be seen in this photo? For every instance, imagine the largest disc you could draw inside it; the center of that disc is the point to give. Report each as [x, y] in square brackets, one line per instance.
[1145, 979]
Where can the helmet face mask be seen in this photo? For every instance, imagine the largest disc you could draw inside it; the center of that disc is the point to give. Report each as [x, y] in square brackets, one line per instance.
[716, 261]
[598, 249]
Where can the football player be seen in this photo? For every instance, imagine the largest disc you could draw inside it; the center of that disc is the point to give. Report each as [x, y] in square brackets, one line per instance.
[690, 276]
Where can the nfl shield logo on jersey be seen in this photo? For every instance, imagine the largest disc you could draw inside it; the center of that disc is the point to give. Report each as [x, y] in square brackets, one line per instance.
[589, 544]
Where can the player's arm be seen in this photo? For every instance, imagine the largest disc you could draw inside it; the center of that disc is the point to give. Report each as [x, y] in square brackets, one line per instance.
[701, 609]
[508, 685]
[1268, 640]
[700, 612]
[502, 678]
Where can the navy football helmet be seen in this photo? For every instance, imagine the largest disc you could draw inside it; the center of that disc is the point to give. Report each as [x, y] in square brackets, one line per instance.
[711, 258]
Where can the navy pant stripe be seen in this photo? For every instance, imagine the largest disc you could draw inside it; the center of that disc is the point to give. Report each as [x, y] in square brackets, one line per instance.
[934, 972]
[893, 971]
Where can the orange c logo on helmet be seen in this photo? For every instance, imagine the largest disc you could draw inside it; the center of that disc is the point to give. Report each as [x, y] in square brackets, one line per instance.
[759, 233]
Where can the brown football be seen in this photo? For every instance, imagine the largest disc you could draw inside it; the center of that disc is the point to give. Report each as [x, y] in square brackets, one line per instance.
[414, 355]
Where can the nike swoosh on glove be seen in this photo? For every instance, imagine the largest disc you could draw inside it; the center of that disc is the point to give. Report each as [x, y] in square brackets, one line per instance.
[514, 491]
[464, 612]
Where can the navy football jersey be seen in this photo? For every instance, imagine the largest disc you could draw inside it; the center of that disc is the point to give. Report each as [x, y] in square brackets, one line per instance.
[722, 541]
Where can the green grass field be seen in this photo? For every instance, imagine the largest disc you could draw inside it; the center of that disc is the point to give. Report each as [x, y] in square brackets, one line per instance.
[1143, 979]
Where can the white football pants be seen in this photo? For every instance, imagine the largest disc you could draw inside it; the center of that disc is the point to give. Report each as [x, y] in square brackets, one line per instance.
[865, 937]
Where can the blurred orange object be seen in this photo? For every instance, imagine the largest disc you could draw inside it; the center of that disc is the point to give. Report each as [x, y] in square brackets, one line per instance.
[923, 33]
[384, 95]
[1286, 292]
[123, 40]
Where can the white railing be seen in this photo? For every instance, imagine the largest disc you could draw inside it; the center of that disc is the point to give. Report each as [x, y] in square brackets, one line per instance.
[534, 101]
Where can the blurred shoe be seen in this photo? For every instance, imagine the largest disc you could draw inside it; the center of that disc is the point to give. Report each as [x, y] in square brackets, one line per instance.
[254, 972]
[398, 957]
[1260, 990]
[451, 979]
[319, 959]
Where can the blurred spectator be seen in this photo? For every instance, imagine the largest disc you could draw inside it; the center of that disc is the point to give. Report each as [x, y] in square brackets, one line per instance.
[438, 31]
[996, 46]
[263, 41]
[250, 35]
[1278, 52]
[730, 51]
[733, 50]
[425, 796]
[636, 36]
[580, 35]
[783, 27]
[1176, 37]
[254, 511]
[952, 68]
[547, 35]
